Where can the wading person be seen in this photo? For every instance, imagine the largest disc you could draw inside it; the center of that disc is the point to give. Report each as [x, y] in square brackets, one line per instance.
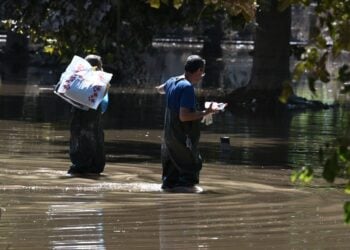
[181, 161]
[86, 135]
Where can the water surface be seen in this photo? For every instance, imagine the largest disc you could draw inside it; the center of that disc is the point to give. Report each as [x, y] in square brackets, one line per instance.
[248, 201]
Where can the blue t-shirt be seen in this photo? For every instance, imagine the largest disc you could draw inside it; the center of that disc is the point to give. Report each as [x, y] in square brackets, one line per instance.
[104, 103]
[179, 93]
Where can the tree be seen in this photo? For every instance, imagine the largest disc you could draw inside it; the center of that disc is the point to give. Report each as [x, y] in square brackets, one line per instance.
[270, 59]
[208, 17]
[120, 31]
[114, 29]
[271, 50]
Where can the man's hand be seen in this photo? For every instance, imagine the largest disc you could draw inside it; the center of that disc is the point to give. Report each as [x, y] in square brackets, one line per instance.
[188, 115]
[210, 109]
[160, 89]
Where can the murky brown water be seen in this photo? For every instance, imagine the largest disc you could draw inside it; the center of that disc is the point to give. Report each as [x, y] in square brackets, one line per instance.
[243, 206]
[248, 201]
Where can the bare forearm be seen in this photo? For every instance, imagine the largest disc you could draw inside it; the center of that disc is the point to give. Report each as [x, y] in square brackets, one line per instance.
[191, 116]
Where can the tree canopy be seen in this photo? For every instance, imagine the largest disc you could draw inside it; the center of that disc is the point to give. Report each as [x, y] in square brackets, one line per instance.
[120, 31]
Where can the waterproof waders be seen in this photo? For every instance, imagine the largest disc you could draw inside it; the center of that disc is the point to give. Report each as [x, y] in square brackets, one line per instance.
[87, 142]
[181, 160]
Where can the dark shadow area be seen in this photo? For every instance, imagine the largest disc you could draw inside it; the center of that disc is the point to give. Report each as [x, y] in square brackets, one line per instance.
[271, 156]
[270, 140]
[132, 151]
[260, 157]
[86, 176]
[125, 110]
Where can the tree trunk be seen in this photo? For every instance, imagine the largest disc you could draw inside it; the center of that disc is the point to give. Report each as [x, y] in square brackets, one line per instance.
[270, 59]
[15, 59]
[212, 52]
[271, 52]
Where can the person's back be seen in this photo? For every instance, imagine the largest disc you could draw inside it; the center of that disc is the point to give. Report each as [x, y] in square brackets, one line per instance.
[87, 137]
[179, 93]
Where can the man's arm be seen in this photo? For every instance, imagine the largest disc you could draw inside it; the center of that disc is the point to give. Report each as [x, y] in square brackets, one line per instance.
[188, 115]
[160, 89]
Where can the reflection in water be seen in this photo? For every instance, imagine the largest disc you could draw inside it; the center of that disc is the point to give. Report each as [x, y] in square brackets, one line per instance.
[76, 226]
[287, 141]
[176, 231]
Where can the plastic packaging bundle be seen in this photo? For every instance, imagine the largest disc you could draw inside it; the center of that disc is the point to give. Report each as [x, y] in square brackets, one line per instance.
[83, 86]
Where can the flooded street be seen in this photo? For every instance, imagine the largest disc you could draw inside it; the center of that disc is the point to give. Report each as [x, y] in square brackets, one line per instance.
[124, 209]
[248, 200]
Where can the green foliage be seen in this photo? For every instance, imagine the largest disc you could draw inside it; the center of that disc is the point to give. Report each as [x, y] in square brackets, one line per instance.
[314, 64]
[347, 211]
[335, 159]
[233, 7]
[303, 175]
[336, 163]
[66, 28]
[157, 3]
[120, 31]
[331, 37]
[347, 187]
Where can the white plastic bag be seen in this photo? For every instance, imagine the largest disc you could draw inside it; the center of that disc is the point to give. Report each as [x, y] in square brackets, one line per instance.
[81, 85]
[219, 106]
[208, 119]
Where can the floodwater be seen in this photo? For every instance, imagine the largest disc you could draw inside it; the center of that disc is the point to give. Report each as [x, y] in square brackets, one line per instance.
[248, 200]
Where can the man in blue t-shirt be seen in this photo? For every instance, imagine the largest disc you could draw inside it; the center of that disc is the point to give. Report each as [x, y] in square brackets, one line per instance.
[181, 160]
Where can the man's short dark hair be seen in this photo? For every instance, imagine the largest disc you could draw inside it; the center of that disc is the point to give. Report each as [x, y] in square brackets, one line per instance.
[193, 63]
[94, 60]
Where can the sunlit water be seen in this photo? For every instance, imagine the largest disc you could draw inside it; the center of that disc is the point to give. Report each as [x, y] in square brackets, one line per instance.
[248, 201]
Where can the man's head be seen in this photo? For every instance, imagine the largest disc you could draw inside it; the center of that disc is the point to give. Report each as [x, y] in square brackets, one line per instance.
[95, 61]
[193, 63]
[194, 68]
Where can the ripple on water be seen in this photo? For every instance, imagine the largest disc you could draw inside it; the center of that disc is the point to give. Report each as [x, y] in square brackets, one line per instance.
[248, 208]
[104, 186]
